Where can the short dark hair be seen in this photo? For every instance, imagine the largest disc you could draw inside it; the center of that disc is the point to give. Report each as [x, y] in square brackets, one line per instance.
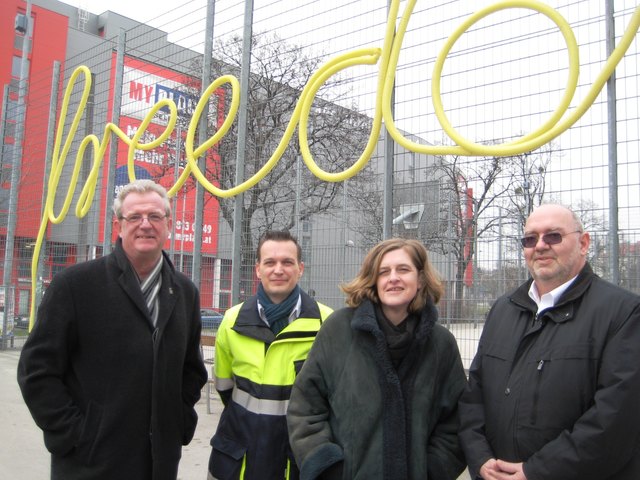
[278, 236]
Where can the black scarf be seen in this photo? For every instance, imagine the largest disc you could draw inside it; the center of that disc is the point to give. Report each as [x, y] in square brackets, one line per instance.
[399, 337]
[278, 313]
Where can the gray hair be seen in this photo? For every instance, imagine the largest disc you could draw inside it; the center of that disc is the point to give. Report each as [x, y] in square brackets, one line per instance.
[140, 186]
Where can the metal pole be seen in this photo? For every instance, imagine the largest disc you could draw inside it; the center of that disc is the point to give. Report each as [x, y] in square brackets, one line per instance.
[196, 259]
[5, 289]
[500, 263]
[12, 212]
[113, 148]
[184, 207]
[236, 251]
[3, 121]
[84, 244]
[389, 150]
[345, 222]
[298, 188]
[51, 131]
[174, 200]
[612, 147]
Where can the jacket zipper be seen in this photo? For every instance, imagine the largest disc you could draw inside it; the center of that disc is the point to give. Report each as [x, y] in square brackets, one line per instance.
[536, 393]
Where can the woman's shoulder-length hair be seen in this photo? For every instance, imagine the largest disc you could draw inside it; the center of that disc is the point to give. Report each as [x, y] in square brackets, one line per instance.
[363, 286]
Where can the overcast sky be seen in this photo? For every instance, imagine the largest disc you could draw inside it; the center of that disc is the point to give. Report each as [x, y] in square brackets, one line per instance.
[143, 11]
[479, 110]
[140, 10]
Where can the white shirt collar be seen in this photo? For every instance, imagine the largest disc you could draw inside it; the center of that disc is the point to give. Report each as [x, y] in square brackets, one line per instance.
[548, 300]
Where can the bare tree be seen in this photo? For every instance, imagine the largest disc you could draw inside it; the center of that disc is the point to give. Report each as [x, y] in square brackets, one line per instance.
[630, 265]
[337, 134]
[528, 173]
[365, 198]
[470, 190]
[596, 224]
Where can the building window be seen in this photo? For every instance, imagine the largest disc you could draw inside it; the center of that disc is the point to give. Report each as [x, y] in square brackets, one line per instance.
[12, 109]
[24, 296]
[224, 293]
[21, 24]
[58, 254]
[225, 274]
[5, 167]
[186, 265]
[25, 253]
[16, 63]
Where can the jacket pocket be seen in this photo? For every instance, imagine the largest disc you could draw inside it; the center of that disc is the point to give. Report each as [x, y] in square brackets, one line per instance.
[190, 421]
[569, 380]
[496, 351]
[496, 359]
[536, 392]
[557, 388]
[227, 458]
[297, 366]
[86, 446]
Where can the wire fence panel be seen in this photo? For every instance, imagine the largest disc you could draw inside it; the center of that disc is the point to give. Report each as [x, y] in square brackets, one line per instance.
[465, 132]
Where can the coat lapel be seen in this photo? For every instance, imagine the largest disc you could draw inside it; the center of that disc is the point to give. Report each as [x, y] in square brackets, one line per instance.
[168, 295]
[131, 286]
[129, 282]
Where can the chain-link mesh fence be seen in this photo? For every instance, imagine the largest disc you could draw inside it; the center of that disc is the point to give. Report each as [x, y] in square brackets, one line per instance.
[502, 79]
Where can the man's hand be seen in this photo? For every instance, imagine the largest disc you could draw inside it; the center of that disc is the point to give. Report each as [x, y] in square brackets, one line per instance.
[489, 469]
[501, 470]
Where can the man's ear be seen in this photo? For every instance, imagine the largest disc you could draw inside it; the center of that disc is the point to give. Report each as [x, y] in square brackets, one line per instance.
[116, 226]
[585, 241]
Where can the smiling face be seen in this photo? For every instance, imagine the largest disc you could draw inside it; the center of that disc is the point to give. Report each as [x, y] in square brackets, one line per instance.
[279, 269]
[397, 284]
[143, 241]
[552, 265]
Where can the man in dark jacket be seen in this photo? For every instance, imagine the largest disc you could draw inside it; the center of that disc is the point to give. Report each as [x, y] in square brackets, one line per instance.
[260, 347]
[112, 369]
[554, 387]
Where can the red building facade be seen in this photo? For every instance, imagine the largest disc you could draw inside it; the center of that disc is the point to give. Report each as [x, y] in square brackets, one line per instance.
[53, 35]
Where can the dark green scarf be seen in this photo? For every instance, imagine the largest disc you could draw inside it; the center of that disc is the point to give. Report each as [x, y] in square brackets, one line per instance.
[278, 313]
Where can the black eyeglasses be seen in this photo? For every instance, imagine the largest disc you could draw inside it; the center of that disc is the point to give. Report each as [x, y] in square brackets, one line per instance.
[136, 218]
[551, 238]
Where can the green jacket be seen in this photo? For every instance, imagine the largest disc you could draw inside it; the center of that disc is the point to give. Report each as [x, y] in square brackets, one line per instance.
[349, 404]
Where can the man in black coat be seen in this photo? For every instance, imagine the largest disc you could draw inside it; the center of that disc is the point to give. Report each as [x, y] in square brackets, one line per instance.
[553, 390]
[112, 369]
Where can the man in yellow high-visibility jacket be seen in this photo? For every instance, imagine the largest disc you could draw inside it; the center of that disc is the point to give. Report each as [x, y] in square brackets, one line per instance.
[260, 346]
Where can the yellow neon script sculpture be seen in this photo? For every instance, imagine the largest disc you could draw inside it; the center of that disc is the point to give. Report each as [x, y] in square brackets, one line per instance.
[388, 58]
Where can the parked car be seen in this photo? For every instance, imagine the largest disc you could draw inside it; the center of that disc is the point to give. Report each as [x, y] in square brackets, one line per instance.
[21, 321]
[210, 319]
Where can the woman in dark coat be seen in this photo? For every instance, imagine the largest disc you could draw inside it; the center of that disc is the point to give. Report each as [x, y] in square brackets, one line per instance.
[377, 396]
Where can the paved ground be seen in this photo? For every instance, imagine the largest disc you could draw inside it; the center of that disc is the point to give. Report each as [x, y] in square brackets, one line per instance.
[22, 452]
